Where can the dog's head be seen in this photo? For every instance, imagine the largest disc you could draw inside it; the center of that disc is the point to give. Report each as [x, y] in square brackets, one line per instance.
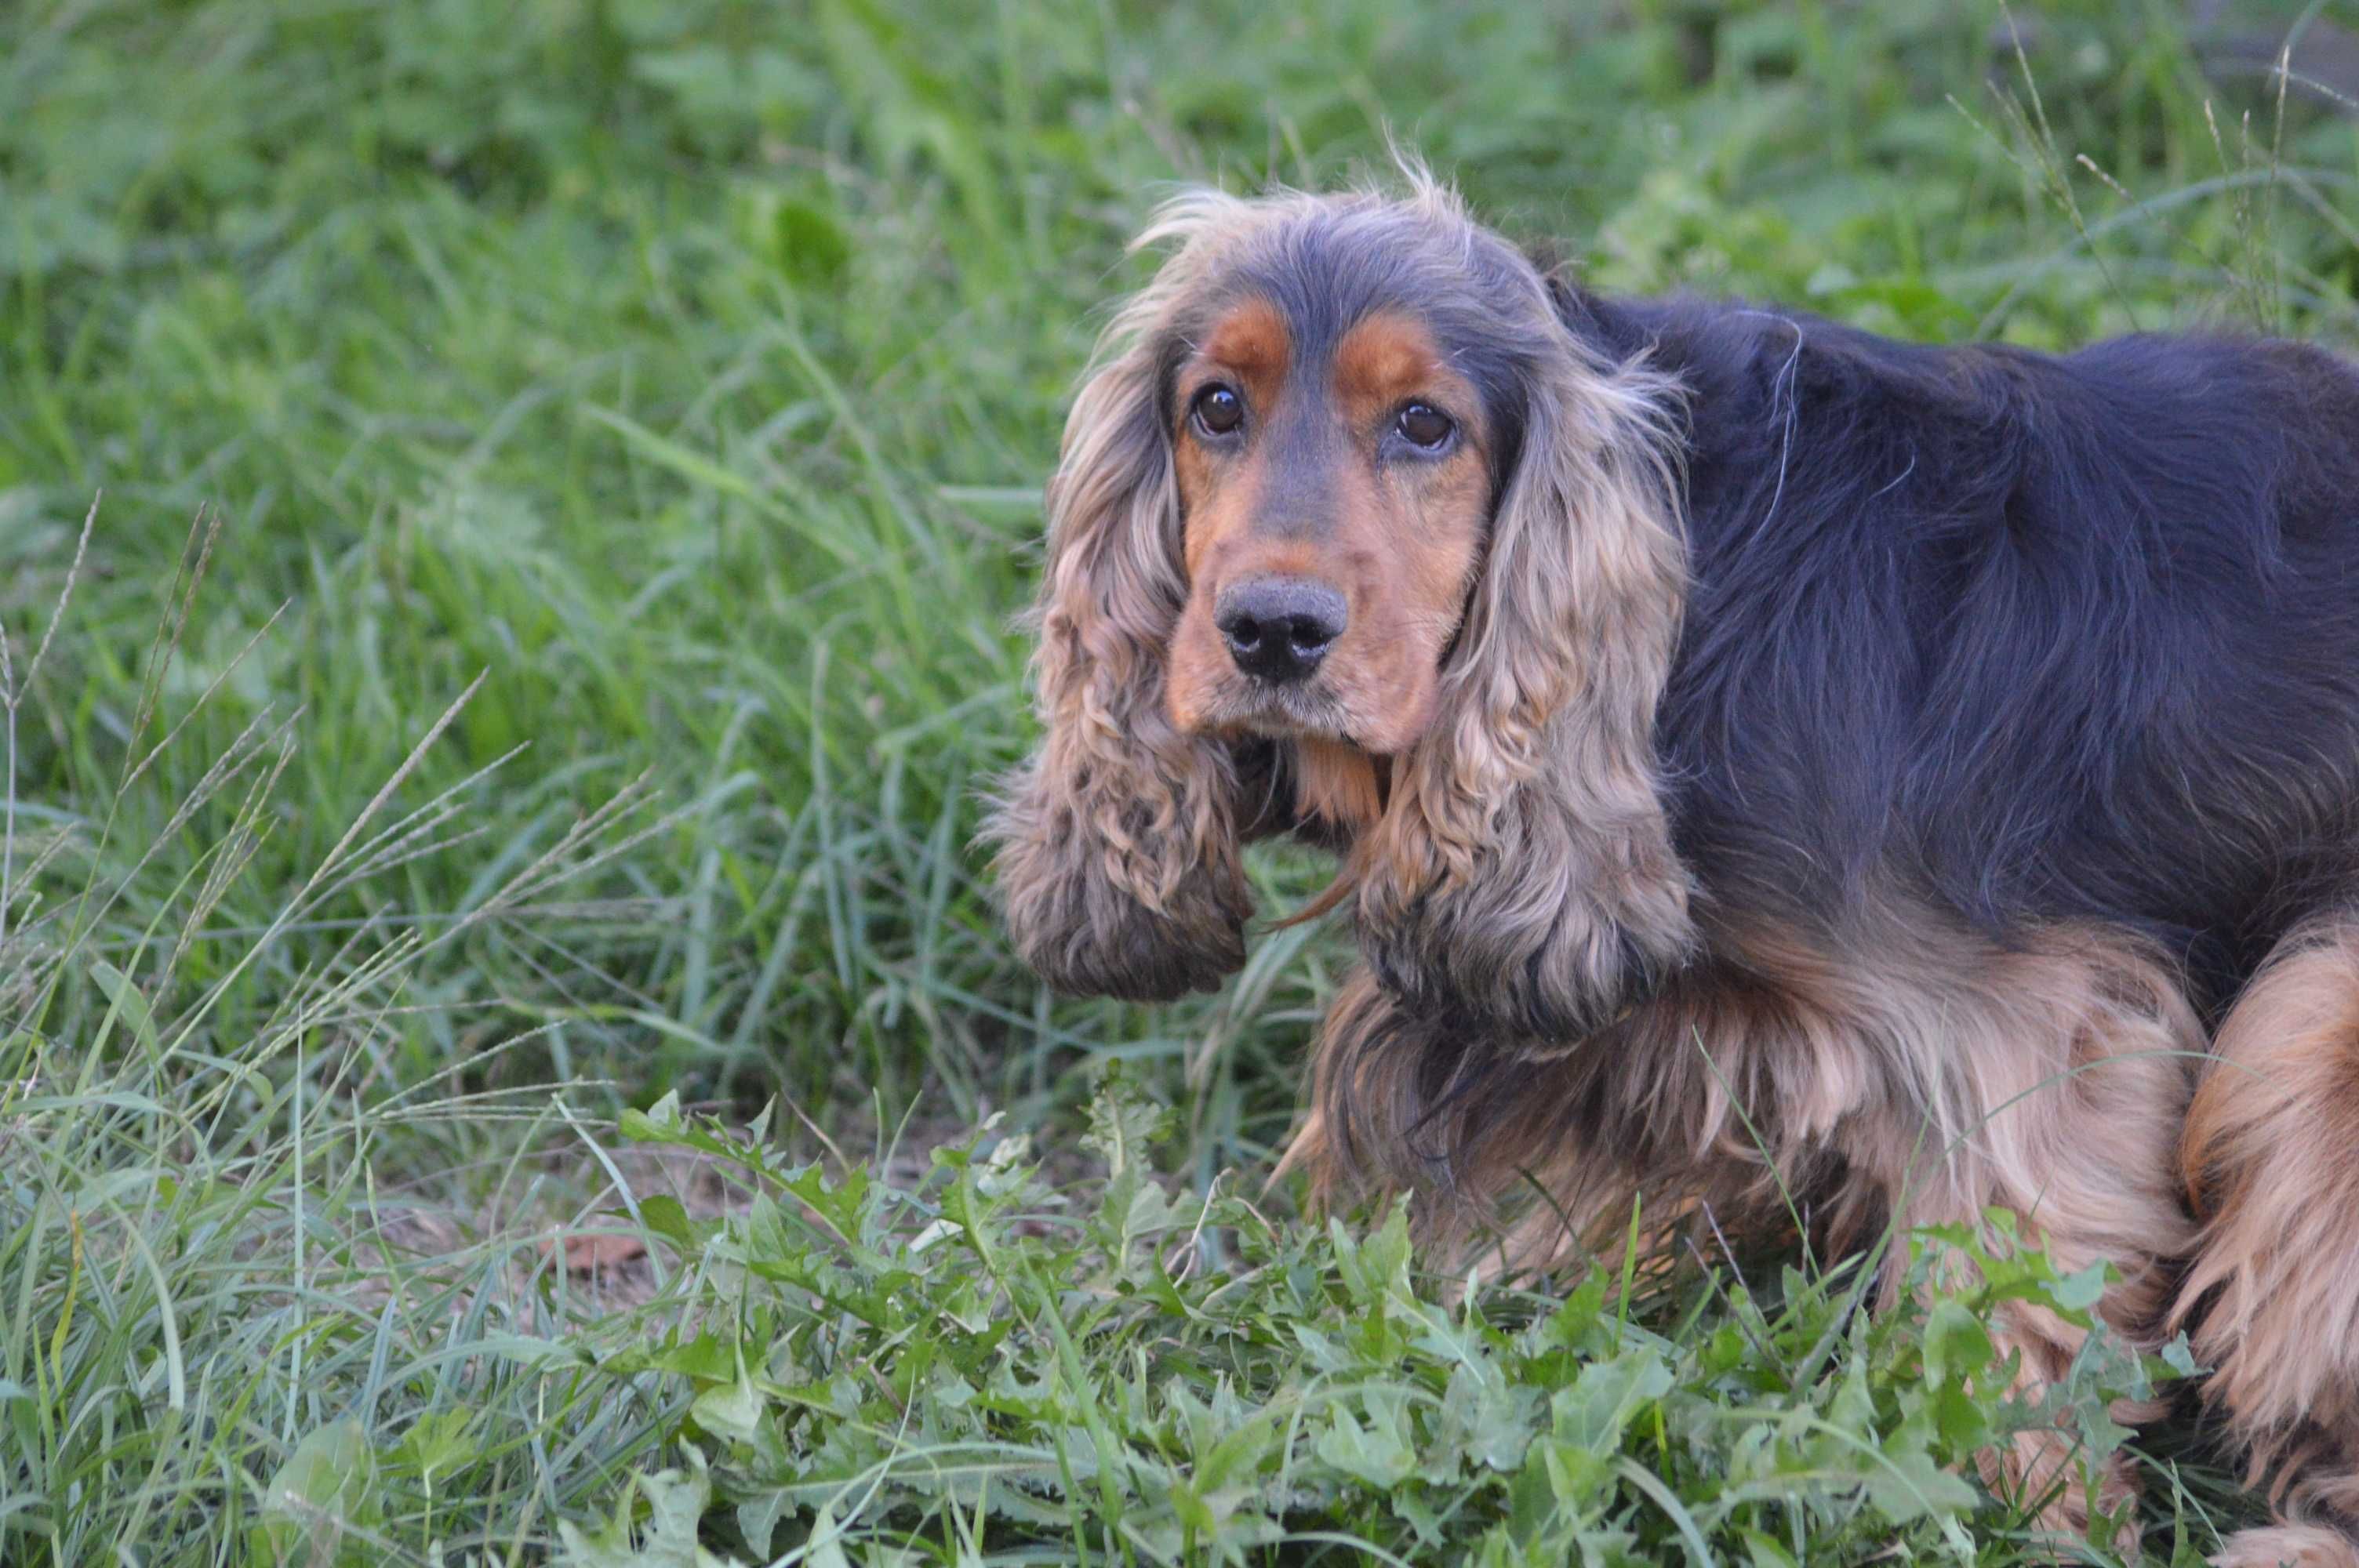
[1345, 481]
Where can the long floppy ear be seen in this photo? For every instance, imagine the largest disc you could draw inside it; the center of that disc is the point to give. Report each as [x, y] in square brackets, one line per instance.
[1118, 864]
[1523, 873]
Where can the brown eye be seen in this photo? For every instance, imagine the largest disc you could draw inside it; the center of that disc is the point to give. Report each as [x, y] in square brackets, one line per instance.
[1422, 425]
[1218, 410]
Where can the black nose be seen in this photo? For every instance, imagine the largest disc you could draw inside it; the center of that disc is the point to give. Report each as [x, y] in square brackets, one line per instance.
[1278, 628]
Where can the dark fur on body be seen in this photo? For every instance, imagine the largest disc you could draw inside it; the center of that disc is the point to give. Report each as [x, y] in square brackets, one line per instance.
[1851, 770]
[2039, 638]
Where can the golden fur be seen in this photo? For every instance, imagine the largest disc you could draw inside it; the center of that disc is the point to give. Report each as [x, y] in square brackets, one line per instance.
[2268, 1158]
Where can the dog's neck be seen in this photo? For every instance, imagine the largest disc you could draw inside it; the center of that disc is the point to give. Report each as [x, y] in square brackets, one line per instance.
[1339, 784]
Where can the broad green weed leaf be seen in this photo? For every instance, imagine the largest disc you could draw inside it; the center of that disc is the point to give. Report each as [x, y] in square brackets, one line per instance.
[1379, 1454]
[323, 1493]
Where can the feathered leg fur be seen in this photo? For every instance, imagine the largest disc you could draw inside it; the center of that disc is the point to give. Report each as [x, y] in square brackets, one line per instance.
[2271, 1158]
[1942, 1078]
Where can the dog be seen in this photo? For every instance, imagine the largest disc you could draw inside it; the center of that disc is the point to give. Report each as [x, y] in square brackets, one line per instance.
[1767, 762]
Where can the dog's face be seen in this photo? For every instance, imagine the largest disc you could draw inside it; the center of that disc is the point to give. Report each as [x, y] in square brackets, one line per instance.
[1334, 481]
[1345, 477]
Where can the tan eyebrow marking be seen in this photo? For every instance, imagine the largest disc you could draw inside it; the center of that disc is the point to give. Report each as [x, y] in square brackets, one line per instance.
[1251, 343]
[1381, 362]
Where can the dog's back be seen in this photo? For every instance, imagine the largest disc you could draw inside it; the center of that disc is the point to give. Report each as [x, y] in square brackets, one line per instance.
[2050, 636]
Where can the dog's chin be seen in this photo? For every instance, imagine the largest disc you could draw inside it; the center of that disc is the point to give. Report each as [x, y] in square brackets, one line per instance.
[1287, 713]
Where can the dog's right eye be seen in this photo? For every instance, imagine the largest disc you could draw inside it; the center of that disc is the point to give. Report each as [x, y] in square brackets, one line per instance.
[1218, 410]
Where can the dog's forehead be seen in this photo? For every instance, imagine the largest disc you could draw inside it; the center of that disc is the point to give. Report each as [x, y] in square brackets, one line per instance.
[1301, 289]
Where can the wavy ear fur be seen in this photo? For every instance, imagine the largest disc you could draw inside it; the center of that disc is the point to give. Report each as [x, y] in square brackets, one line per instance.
[1523, 874]
[1118, 863]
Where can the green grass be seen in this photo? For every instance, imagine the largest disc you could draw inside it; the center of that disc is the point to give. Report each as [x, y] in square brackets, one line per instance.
[659, 393]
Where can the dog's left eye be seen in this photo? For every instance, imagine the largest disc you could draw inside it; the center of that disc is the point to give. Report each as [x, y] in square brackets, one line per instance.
[1422, 425]
[1218, 410]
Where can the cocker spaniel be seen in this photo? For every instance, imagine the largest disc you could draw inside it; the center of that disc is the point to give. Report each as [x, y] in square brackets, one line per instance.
[1766, 760]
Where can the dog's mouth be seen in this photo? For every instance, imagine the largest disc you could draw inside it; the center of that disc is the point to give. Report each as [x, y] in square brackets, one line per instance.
[1307, 711]
[1335, 713]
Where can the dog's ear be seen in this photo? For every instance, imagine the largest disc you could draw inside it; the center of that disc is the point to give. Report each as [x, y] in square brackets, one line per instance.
[1523, 874]
[1118, 864]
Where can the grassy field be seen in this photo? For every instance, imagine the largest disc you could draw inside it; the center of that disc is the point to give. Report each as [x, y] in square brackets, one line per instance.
[510, 514]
